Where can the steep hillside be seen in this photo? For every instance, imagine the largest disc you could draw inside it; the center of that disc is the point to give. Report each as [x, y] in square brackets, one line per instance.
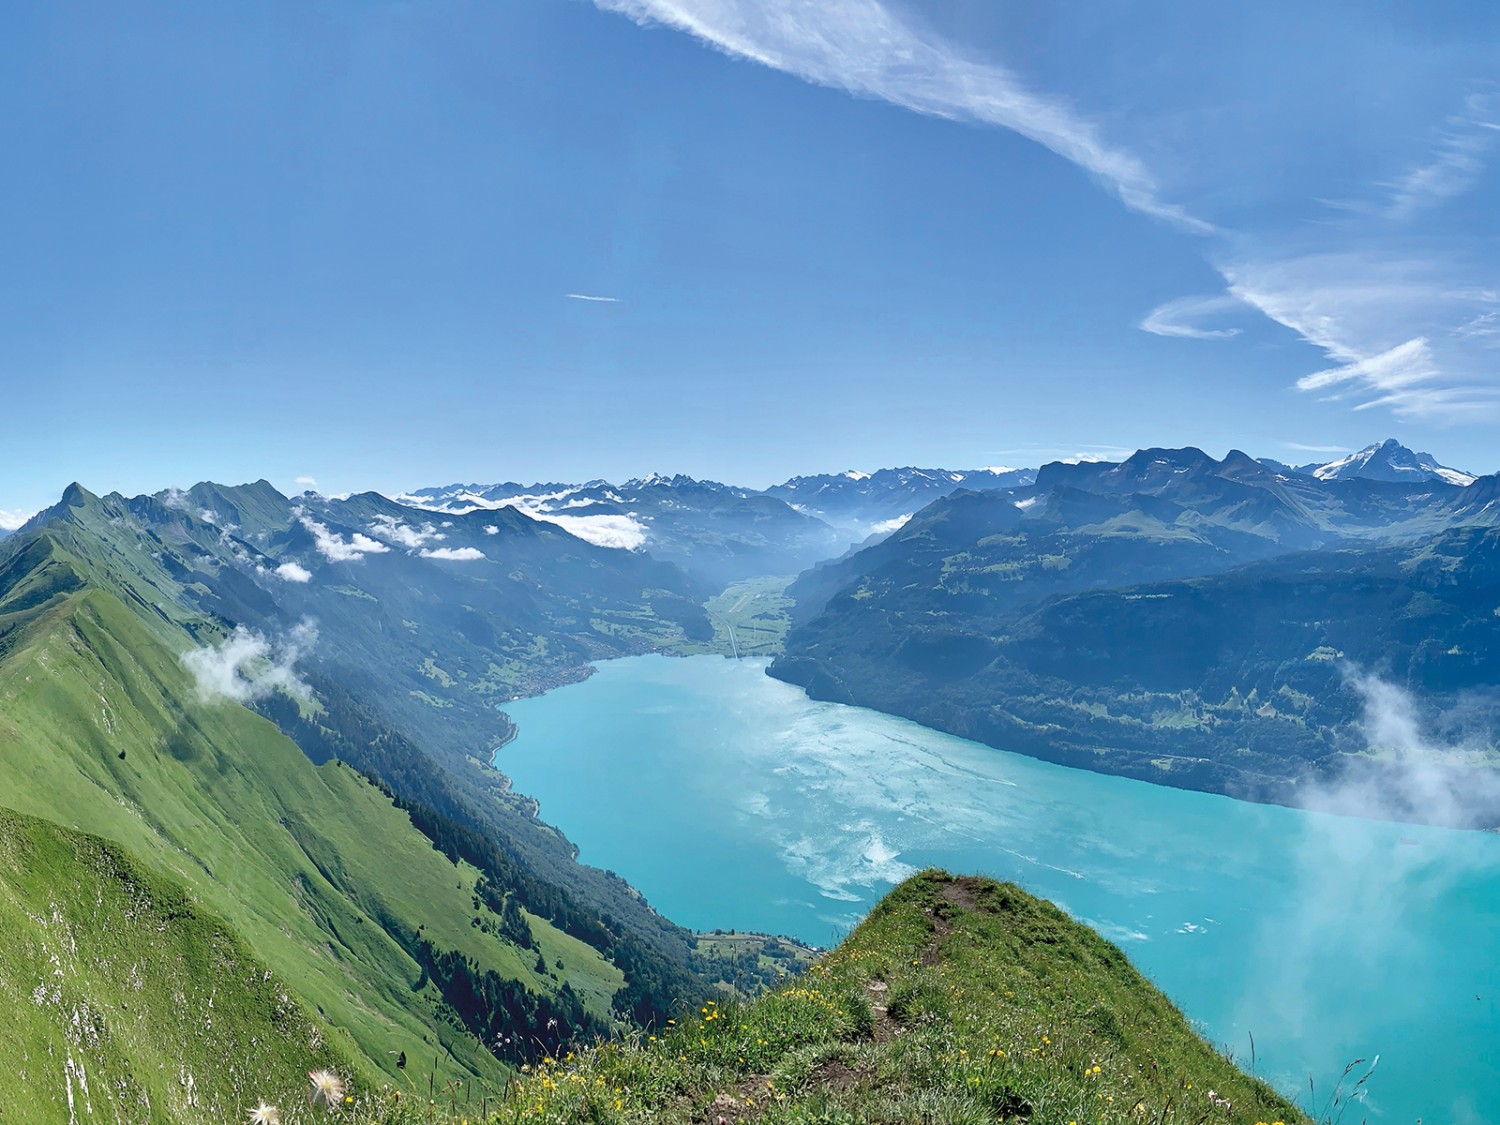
[956, 1000]
[105, 731]
[122, 1000]
[407, 635]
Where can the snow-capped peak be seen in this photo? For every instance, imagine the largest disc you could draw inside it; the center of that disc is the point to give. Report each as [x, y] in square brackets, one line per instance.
[1389, 461]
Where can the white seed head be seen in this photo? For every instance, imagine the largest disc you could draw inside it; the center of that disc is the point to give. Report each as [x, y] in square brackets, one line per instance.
[327, 1088]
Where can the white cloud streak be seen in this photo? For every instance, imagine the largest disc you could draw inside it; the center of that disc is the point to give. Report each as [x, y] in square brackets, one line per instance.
[592, 297]
[247, 665]
[1181, 318]
[865, 48]
[1456, 164]
[1301, 448]
[454, 554]
[12, 518]
[1406, 344]
[1392, 327]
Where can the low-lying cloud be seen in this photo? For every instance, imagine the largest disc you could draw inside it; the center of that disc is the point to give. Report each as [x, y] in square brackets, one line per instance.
[248, 665]
[293, 572]
[453, 554]
[1409, 774]
[402, 534]
[1359, 895]
[885, 527]
[625, 533]
[334, 547]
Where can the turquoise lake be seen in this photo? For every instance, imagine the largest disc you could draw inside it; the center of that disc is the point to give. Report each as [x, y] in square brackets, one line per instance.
[732, 800]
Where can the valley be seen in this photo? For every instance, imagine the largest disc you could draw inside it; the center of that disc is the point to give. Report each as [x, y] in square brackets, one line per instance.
[466, 764]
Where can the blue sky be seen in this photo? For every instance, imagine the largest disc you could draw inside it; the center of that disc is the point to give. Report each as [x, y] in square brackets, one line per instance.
[346, 242]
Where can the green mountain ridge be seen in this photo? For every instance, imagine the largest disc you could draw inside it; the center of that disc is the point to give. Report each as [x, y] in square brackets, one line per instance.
[400, 929]
[956, 1000]
[325, 878]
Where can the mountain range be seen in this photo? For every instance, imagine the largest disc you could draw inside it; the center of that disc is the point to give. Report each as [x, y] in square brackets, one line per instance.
[246, 738]
[1173, 617]
[725, 533]
[283, 708]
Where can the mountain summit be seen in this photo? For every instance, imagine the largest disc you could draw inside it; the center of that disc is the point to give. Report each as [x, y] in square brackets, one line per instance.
[1388, 461]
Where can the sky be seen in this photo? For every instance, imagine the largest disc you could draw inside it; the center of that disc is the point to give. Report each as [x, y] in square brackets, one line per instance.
[389, 245]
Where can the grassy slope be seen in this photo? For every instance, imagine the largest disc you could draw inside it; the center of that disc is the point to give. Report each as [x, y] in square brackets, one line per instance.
[955, 1001]
[122, 1001]
[313, 866]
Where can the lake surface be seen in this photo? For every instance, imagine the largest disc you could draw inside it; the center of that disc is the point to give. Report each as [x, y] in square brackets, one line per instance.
[732, 800]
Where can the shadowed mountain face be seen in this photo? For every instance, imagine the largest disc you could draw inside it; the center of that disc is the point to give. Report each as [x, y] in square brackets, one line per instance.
[1171, 617]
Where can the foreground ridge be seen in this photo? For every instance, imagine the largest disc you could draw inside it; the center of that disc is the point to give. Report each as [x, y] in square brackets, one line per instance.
[956, 1000]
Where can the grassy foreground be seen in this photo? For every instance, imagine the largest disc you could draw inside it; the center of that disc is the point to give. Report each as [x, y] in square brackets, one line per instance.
[956, 1001]
[122, 1000]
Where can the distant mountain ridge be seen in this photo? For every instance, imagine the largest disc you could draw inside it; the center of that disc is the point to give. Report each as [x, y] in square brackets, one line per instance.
[716, 532]
[878, 502]
[856, 504]
[721, 531]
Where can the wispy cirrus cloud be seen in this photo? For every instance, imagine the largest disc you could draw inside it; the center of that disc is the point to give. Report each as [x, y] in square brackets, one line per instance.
[1302, 448]
[1457, 162]
[1392, 327]
[1184, 317]
[867, 48]
[592, 297]
[1415, 345]
[12, 518]
[1414, 333]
